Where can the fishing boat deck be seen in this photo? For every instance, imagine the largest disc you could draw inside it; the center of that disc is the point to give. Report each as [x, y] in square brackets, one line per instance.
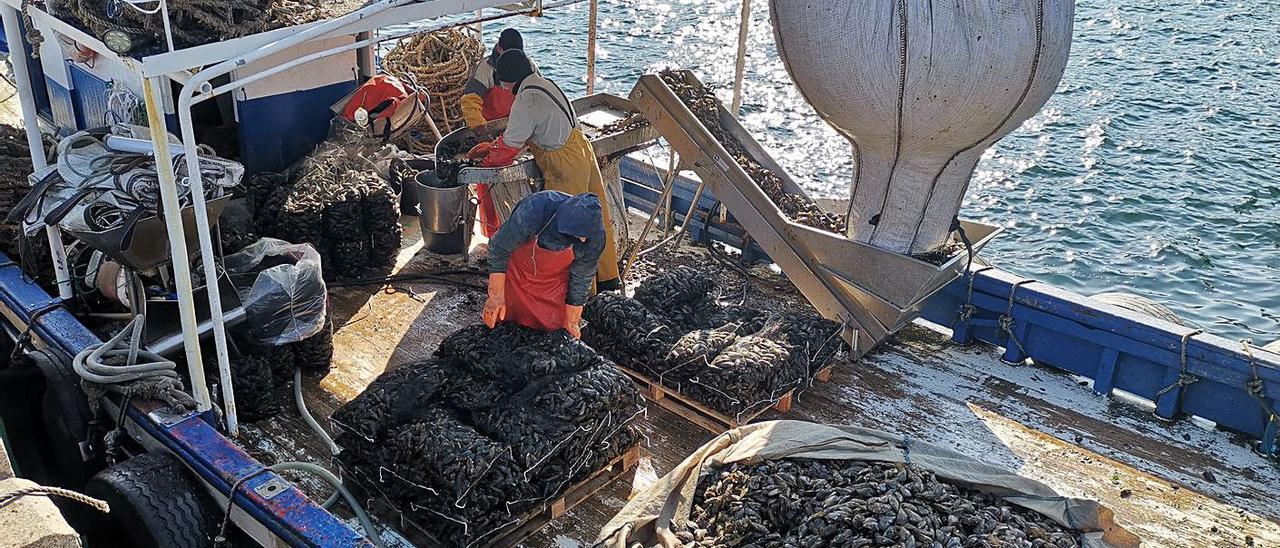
[1174, 484]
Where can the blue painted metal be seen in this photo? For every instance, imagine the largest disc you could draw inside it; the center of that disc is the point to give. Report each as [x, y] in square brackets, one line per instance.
[278, 130]
[90, 93]
[1120, 350]
[62, 106]
[215, 459]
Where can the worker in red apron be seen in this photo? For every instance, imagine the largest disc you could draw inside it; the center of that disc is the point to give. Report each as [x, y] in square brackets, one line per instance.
[483, 101]
[543, 260]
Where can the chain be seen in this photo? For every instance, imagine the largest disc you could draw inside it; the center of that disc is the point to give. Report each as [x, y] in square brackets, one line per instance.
[1184, 378]
[1006, 320]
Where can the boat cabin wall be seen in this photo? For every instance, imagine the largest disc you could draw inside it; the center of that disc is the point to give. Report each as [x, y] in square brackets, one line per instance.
[267, 126]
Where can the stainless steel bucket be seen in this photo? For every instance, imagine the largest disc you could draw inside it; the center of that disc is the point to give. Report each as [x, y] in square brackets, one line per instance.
[447, 215]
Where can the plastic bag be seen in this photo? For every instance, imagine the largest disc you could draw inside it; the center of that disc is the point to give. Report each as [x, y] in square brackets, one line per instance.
[285, 299]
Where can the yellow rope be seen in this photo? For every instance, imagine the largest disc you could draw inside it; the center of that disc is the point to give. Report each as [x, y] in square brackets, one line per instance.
[441, 63]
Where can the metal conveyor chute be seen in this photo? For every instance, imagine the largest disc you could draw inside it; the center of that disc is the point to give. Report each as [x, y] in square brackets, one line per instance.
[872, 291]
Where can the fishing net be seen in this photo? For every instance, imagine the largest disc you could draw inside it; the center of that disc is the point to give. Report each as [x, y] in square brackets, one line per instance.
[197, 22]
[734, 359]
[440, 62]
[494, 424]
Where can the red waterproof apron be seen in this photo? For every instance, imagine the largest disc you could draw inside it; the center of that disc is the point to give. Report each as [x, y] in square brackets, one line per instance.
[537, 282]
[497, 105]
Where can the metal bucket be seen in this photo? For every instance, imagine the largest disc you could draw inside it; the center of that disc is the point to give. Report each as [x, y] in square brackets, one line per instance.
[446, 215]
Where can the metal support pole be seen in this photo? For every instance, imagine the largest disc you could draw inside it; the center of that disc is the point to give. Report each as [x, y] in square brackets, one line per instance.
[31, 123]
[592, 17]
[151, 94]
[168, 28]
[739, 69]
[204, 233]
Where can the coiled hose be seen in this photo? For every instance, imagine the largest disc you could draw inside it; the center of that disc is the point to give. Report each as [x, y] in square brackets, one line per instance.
[107, 367]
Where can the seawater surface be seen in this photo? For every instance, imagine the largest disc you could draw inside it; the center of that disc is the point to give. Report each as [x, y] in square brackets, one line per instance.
[1154, 169]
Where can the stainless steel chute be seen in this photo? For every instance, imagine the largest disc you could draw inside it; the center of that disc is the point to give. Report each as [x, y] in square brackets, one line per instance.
[874, 292]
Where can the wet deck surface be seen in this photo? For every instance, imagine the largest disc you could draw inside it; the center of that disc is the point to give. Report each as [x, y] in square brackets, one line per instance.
[1174, 484]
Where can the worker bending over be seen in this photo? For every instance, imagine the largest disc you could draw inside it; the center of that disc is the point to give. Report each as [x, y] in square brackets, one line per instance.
[542, 261]
[483, 101]
[542, 119]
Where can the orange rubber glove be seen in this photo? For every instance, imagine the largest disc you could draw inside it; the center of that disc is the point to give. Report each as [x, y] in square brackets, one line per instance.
[573, 320]
[495, 307]
[500, 155]
[480, 150]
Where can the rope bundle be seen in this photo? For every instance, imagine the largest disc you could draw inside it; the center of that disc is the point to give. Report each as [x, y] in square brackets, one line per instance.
[441, 63]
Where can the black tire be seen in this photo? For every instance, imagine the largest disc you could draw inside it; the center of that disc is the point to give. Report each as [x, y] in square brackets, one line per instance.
[155, 503]
[65, 415]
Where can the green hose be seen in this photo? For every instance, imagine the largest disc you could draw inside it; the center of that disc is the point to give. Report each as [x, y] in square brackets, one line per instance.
[328, 476]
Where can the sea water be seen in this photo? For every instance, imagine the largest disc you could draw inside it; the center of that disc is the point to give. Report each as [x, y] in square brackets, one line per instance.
[1154, 169]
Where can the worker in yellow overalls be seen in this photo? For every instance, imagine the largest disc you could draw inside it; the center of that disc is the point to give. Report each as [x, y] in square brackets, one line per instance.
[542, 119]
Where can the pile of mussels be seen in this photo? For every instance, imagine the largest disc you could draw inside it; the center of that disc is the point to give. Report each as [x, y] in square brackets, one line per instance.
[336, 203]
[852, 504]
[262, 375]
[703, 103]
[496, 422]
[734, 359]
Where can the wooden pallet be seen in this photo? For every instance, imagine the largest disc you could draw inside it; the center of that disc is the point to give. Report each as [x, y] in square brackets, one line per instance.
[531, 521]
[698, 413]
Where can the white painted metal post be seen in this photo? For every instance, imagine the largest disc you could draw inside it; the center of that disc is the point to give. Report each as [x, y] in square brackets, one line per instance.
[168, 28]
[31, 122]
[151, 93]
[592, 16]
[739, 69]
[204, 233]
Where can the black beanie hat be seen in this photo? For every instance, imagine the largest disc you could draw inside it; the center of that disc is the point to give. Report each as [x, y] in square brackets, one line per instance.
[510, 39]
[513, 66]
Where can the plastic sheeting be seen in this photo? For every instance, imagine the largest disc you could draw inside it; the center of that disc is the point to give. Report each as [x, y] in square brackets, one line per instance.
[282, 288]
[652, 516]
[921, 88]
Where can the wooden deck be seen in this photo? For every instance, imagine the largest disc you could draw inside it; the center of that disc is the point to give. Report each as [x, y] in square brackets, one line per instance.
[1179, 484]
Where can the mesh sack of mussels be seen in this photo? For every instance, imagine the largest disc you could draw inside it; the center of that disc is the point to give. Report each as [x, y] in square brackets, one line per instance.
[848, 503]
[731, 358]
[496, 422]
[335, 202]
[702, 101]
[262, 375]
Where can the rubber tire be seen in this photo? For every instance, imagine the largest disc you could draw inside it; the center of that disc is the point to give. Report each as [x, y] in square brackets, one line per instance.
[65, 415]
[155, 503]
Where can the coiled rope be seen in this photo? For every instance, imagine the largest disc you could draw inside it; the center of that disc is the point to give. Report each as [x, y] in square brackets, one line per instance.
[440, 62]
[110, 367]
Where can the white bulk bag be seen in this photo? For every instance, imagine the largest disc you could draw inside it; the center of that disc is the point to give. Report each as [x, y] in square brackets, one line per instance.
[921, 88]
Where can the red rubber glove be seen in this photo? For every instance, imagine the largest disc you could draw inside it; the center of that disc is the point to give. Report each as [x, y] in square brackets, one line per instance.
[480, 150]
[500, 155]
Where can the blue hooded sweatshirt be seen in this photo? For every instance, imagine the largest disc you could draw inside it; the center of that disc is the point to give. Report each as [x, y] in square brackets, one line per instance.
[558, 221]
